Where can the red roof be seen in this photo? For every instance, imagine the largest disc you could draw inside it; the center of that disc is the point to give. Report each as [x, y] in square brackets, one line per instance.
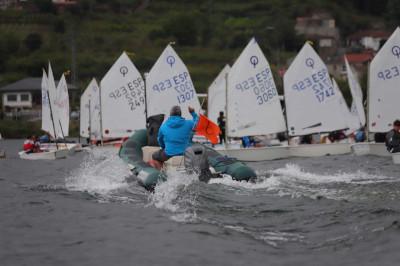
[369, 33]
[360, 57]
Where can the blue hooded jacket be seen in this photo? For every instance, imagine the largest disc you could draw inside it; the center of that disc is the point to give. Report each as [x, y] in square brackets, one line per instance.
[175, 134]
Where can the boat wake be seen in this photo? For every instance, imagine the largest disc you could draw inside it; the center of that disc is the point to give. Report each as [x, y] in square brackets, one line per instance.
[293, 181]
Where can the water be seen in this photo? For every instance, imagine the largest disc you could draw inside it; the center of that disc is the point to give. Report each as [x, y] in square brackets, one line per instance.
[331, 210]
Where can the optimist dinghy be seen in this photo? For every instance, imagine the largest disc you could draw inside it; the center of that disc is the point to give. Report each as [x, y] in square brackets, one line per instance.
[199, 159]
[46, 155]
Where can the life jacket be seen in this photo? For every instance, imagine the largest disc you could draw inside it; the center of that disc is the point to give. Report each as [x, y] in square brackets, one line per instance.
[28, 145]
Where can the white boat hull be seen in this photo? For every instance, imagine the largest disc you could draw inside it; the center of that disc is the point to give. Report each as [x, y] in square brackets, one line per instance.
[46, 155]
[368, 148]
[256, 154]
[71, 147]
[396, 158]
[318, 150]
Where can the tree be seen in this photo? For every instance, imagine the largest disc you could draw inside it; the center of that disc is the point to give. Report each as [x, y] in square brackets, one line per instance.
[183, 27]
[33, 41]
[393, 13]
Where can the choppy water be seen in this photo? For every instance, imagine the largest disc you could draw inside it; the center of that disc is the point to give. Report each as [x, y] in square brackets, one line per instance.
[289, 206]
[332, 210]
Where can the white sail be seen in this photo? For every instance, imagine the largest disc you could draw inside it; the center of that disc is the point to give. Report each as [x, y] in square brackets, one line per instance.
[84, 117]
[311, 100]
[122, 99]
[46, 117]
[384, 89]
[168, 83]
[90, 111]
[217, 95]
[61, 107]
[253, 106]
[356, 93]
[351, 118]
[51, 87]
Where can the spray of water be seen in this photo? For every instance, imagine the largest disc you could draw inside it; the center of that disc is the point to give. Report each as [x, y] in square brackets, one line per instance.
[101, 172]
[178, 195]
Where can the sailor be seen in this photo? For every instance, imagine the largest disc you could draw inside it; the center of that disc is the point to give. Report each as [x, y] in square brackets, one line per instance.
[393, 138]
[221, 124]
[45, 138]
[29, 145]
[174, 135]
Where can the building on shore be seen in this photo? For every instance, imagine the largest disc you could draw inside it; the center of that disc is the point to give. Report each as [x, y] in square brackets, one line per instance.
[24, 97]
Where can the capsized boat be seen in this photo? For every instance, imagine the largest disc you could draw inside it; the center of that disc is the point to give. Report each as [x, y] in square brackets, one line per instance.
[198, 158]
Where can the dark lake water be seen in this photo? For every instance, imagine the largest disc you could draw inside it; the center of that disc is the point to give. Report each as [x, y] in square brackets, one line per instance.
[83, 210]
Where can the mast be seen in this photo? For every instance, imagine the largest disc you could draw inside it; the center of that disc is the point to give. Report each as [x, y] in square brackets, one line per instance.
[52, 119]
[226, 109]
[145, 95]
[101, 118]
[90, 124]
[368, 96]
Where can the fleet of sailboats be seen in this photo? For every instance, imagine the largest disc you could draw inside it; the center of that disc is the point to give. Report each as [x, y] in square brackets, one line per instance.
[245, 92]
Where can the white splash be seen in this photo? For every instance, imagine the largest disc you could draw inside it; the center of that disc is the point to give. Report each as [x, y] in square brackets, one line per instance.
[296, 182]
[176, 196]
[101, 172]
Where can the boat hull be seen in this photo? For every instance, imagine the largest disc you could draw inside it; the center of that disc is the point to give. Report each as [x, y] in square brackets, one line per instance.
[46, 155]
[71, 147]
[396, 158]
[257, 154]
[369, 148]
[318, 150]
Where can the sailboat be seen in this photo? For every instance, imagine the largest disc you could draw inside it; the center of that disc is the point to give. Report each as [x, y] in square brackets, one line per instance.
[383, 94]
[90, 112]
[312, 104]
[349, 115]
[216, 95]
[122, 100]
[169, 83]
[253, 105]
[49, 116]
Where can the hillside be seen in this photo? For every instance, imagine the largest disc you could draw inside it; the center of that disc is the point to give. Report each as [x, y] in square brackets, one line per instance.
[87, 38]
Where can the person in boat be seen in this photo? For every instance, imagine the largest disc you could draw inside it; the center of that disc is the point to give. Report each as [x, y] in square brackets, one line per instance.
[336, 136]
[359, 135]
[45, 138]
[29, 145]
[393, 138]
[221, 124]
[174, 135]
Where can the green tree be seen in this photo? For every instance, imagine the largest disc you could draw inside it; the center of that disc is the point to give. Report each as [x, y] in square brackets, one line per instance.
[393, 13]
[183, 28]
[33, 41]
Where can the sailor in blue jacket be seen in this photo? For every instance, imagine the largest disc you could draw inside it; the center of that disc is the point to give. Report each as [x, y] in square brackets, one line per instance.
[175, 134]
